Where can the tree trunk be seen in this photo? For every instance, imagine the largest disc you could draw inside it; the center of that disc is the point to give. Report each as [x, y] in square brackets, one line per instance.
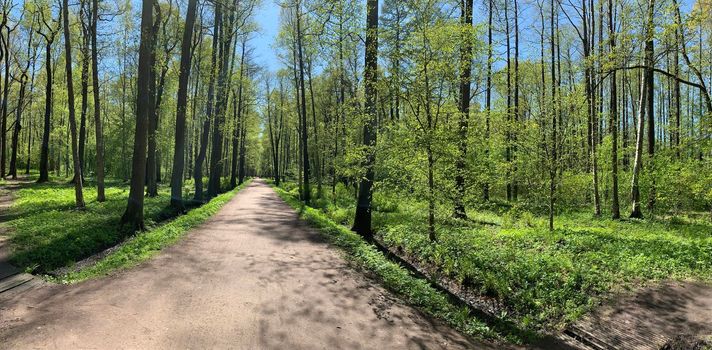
[650, 85]
[198, 172]
[237, 111]
[151, 185]
[100, 196]
[554, 128]
[78, 193]
[84, 87]
[303, 108]
[465, 77]
[362, 220]
[134, 210]
[613, 120]
[488, 101]
[638, 159]
[44, 151]
[216, 156]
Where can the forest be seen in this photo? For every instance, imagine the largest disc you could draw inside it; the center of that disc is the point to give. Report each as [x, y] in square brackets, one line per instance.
[539, 155]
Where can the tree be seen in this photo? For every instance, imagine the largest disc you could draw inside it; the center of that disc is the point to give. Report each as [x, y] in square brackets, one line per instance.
[644, 108]
[554, 116]
[362, 220]
[99, 132]
[183, 75]
[78, 192]
[613, 119]
[465, 77]
[198, 171]
[21, 102]
[49, 36]
[133, 215]
[304, 139]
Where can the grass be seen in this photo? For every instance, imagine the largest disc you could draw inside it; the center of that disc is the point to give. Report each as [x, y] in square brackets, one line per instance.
[415, 291]
[542, 280]
[48, 233]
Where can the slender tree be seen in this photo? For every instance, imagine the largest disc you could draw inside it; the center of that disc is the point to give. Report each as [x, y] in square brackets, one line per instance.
[613, 119]
[465, 82]
[78, 192]
[98, 128]
[49, 33]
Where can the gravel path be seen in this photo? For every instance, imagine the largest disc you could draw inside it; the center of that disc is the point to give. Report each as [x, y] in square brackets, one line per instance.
[252, 277]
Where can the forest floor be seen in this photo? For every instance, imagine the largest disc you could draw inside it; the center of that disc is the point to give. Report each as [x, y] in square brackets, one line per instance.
[253, 276]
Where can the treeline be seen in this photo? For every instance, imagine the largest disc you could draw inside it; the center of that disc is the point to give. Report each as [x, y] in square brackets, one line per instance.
[548, 106]
[545, 105]
[91, 89]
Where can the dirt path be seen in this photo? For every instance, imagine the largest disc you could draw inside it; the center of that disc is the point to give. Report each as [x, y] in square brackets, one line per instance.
[7, 196]
[252, 277]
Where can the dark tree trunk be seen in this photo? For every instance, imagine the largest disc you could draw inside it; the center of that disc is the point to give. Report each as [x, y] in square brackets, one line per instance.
[100, 196]
[554, 128]
[465, 77]
[362, 220]
[182, 103]
[151, 185]
[204, 137]
[18, 125]
[216, 156]
[613, 121]
[650, 108]
[488, 101]
[237, 111]
[134, 210]
[303, 107]
[84, 87]
[5, 97]
[78, 193]
[44, 151]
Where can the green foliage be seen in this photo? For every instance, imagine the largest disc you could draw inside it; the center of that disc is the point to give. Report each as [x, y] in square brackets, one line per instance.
[48, 233]
[541, 279]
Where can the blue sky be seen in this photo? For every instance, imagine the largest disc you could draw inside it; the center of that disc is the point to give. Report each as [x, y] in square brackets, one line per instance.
[267, 17]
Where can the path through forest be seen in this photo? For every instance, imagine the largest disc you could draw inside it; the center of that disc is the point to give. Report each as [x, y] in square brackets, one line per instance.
[252, 277]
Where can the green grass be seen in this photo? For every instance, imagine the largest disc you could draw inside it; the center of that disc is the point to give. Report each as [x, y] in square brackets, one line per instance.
[542, 280]
[48, 233]
[415, 291]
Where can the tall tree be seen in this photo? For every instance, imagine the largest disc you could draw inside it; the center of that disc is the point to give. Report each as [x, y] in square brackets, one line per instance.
[78, 192]
[304, 141]
[465, 82]
[650, 85]
[21, 103]
[554, 115]
[49, 36]
[183, 75]
[488, 99]
[99, 132]
[362, 220]
[133, 215]
[613, 119]
[204, 136]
